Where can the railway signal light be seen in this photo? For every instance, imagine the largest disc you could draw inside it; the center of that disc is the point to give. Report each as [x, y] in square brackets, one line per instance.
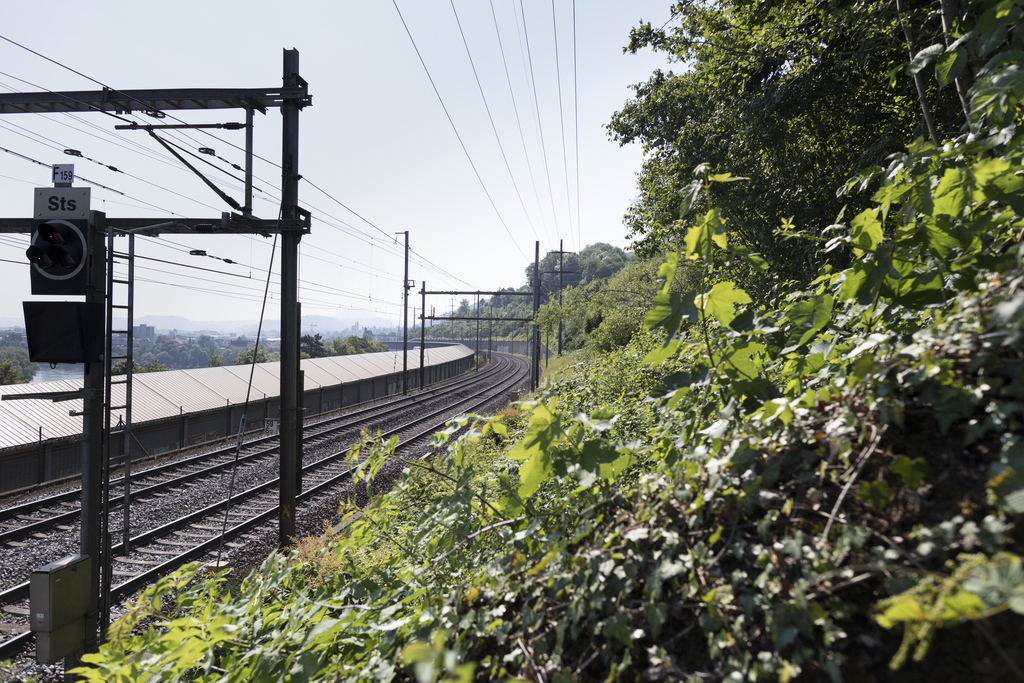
[58, 256]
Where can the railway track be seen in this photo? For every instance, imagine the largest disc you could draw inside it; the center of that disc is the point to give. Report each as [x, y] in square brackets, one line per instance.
[165, 542]
[39, 515]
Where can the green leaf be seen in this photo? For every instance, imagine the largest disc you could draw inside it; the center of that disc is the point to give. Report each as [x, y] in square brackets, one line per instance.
[940, 236]
[725, 178]
[610, 471]
[808, 317]
[753, 260]
[688, 197]
[875, 493]
[954, 192]
[745, 358]
[720, 303]
[539, 437]
[534, 472]
[1007, 189]
[863, 280]
[962, 605]
[990, 40]
[904, 610]
[912, 471]
[865, 231]
[924, 58]
[701, 238]
[667, 272]
[949, 65]
[656, 615]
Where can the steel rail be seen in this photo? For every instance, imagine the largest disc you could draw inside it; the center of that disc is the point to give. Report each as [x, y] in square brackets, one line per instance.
[347, 421]
[13, 646]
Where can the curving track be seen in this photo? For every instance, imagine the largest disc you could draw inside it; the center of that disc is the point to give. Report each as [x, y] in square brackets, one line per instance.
[46, 529]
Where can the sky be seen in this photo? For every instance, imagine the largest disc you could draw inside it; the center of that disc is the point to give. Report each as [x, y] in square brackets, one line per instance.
[387, 145]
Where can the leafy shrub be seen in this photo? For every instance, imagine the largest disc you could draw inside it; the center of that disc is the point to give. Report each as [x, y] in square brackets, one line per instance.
[780, 494]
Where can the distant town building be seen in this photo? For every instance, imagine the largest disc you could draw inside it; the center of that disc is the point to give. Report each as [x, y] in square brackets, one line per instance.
[145, 332]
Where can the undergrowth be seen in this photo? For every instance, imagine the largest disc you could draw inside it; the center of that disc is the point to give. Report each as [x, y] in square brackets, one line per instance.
[829, 488]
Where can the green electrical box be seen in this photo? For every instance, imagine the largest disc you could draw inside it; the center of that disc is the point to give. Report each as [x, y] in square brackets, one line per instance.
[59, 601]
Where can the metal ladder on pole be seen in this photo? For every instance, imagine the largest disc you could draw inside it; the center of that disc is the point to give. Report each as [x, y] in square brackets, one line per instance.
[117, 444]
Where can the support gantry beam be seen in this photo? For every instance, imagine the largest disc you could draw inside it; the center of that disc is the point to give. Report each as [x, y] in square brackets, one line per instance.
[124, 102]
[294, 221]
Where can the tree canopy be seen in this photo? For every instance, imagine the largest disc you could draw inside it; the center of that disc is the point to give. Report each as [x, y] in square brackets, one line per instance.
[824, 485]
[9, 373]
[17, 354]
[795, 96]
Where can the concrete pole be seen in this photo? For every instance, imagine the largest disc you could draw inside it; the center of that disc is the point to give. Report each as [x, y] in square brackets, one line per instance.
[405, 323]
[291, 427]
[423, 331]
[561, 267]
[535, 373]
[247, 211]
[90, 539]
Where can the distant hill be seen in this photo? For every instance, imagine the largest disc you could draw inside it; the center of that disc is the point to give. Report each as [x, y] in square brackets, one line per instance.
[320, 324]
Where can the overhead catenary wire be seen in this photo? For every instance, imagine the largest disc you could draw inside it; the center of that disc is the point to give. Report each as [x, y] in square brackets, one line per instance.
[561, 115]
[436, 268]
[245, 408]
[515, 110]
[490, 118]
[540, 123]
[455, 129]
[119, 141]
[576, 113]
[419, 259]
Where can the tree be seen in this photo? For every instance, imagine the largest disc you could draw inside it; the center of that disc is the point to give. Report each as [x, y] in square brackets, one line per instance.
[601, 260]
[121, 367]
[246, 356]
[785, 94]
[216, 360]
[154, 366]
[18, 356]
[606, 313]
[9, 373]
[313, 345]
[353, 345]
[205, 342]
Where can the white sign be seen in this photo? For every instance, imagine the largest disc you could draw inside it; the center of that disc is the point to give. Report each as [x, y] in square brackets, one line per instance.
[64, 173]
[62, 202]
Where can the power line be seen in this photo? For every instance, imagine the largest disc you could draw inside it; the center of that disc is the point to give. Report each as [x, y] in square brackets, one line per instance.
[437, 268]
[456, 130]
[561, 115]
[540, 123]
[491, 119]
[389, 237]
[64, 66]
[576, 113]
[421, 260]
[519, 123]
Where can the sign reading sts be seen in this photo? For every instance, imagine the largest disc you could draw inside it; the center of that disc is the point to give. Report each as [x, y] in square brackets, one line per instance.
[69, 203]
